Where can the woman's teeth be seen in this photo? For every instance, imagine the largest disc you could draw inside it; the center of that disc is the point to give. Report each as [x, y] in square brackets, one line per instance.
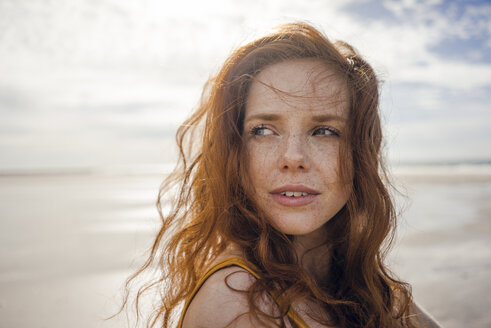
[294, 193]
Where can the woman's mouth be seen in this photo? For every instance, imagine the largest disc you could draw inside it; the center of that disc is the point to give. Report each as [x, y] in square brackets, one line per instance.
[294, 195]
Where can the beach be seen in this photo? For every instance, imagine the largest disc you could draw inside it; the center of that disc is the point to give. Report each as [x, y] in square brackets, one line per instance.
[69, 241]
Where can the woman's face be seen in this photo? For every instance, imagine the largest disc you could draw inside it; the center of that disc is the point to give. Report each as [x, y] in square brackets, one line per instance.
[295, 117]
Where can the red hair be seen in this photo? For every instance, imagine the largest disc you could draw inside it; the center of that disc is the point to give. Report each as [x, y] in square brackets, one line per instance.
[210, 206]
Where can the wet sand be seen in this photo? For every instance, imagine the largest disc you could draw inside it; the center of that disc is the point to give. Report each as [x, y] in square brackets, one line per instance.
[68, 242]
[444, 247]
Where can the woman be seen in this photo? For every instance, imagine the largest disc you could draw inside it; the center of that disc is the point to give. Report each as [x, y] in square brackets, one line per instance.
[281, 213]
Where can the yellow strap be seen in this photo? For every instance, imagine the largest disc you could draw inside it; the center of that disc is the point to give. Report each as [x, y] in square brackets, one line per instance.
[252, 269]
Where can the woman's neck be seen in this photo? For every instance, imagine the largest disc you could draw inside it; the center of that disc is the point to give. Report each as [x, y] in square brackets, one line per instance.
[313, 253]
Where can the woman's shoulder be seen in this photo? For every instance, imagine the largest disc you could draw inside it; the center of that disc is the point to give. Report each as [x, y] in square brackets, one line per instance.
[424, 319]
[222, 299]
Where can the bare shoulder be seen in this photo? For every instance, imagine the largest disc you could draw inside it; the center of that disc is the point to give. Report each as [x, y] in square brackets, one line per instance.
[222, 301]
[424, 318]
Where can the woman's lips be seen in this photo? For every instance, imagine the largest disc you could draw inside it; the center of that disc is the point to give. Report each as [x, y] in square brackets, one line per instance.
[279, 196]
[293, 201]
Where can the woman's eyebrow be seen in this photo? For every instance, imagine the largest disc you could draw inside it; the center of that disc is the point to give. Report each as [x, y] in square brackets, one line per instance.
[275, 117]
[328, 117]
[264, 117]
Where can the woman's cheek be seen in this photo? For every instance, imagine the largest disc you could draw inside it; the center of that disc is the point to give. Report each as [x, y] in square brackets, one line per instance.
[263, 151]
[327, 144]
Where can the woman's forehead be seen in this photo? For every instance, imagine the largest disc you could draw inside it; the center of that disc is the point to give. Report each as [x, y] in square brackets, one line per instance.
[299, 83]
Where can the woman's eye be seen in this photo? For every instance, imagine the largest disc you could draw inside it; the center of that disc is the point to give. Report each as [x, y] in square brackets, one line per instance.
[261, 131]
[325, 131]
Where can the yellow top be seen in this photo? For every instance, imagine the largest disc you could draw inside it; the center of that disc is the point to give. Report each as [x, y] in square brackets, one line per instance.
[251, 268]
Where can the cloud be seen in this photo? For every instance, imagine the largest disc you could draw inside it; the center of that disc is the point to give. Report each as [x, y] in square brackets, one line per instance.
[433, 124]
[112, 79]
[440, 140]
[405, 40]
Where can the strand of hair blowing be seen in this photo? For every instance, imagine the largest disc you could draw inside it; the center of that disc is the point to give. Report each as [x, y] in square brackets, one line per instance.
[210, 208]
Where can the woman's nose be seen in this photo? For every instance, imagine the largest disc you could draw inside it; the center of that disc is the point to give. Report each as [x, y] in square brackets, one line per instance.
[294, 154]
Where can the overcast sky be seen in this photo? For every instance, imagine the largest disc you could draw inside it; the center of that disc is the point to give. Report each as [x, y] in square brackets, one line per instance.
[105, 83]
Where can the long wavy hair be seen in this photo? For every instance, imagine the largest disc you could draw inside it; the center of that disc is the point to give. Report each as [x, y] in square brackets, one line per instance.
[208, 206]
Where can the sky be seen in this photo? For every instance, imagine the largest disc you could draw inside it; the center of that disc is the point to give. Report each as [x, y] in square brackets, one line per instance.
[102, 84]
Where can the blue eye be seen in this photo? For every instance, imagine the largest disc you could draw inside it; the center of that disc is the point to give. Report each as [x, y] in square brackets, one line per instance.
[261, 130]
[325, 131]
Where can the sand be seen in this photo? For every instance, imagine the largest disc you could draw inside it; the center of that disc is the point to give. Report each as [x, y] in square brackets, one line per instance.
[69, 241]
